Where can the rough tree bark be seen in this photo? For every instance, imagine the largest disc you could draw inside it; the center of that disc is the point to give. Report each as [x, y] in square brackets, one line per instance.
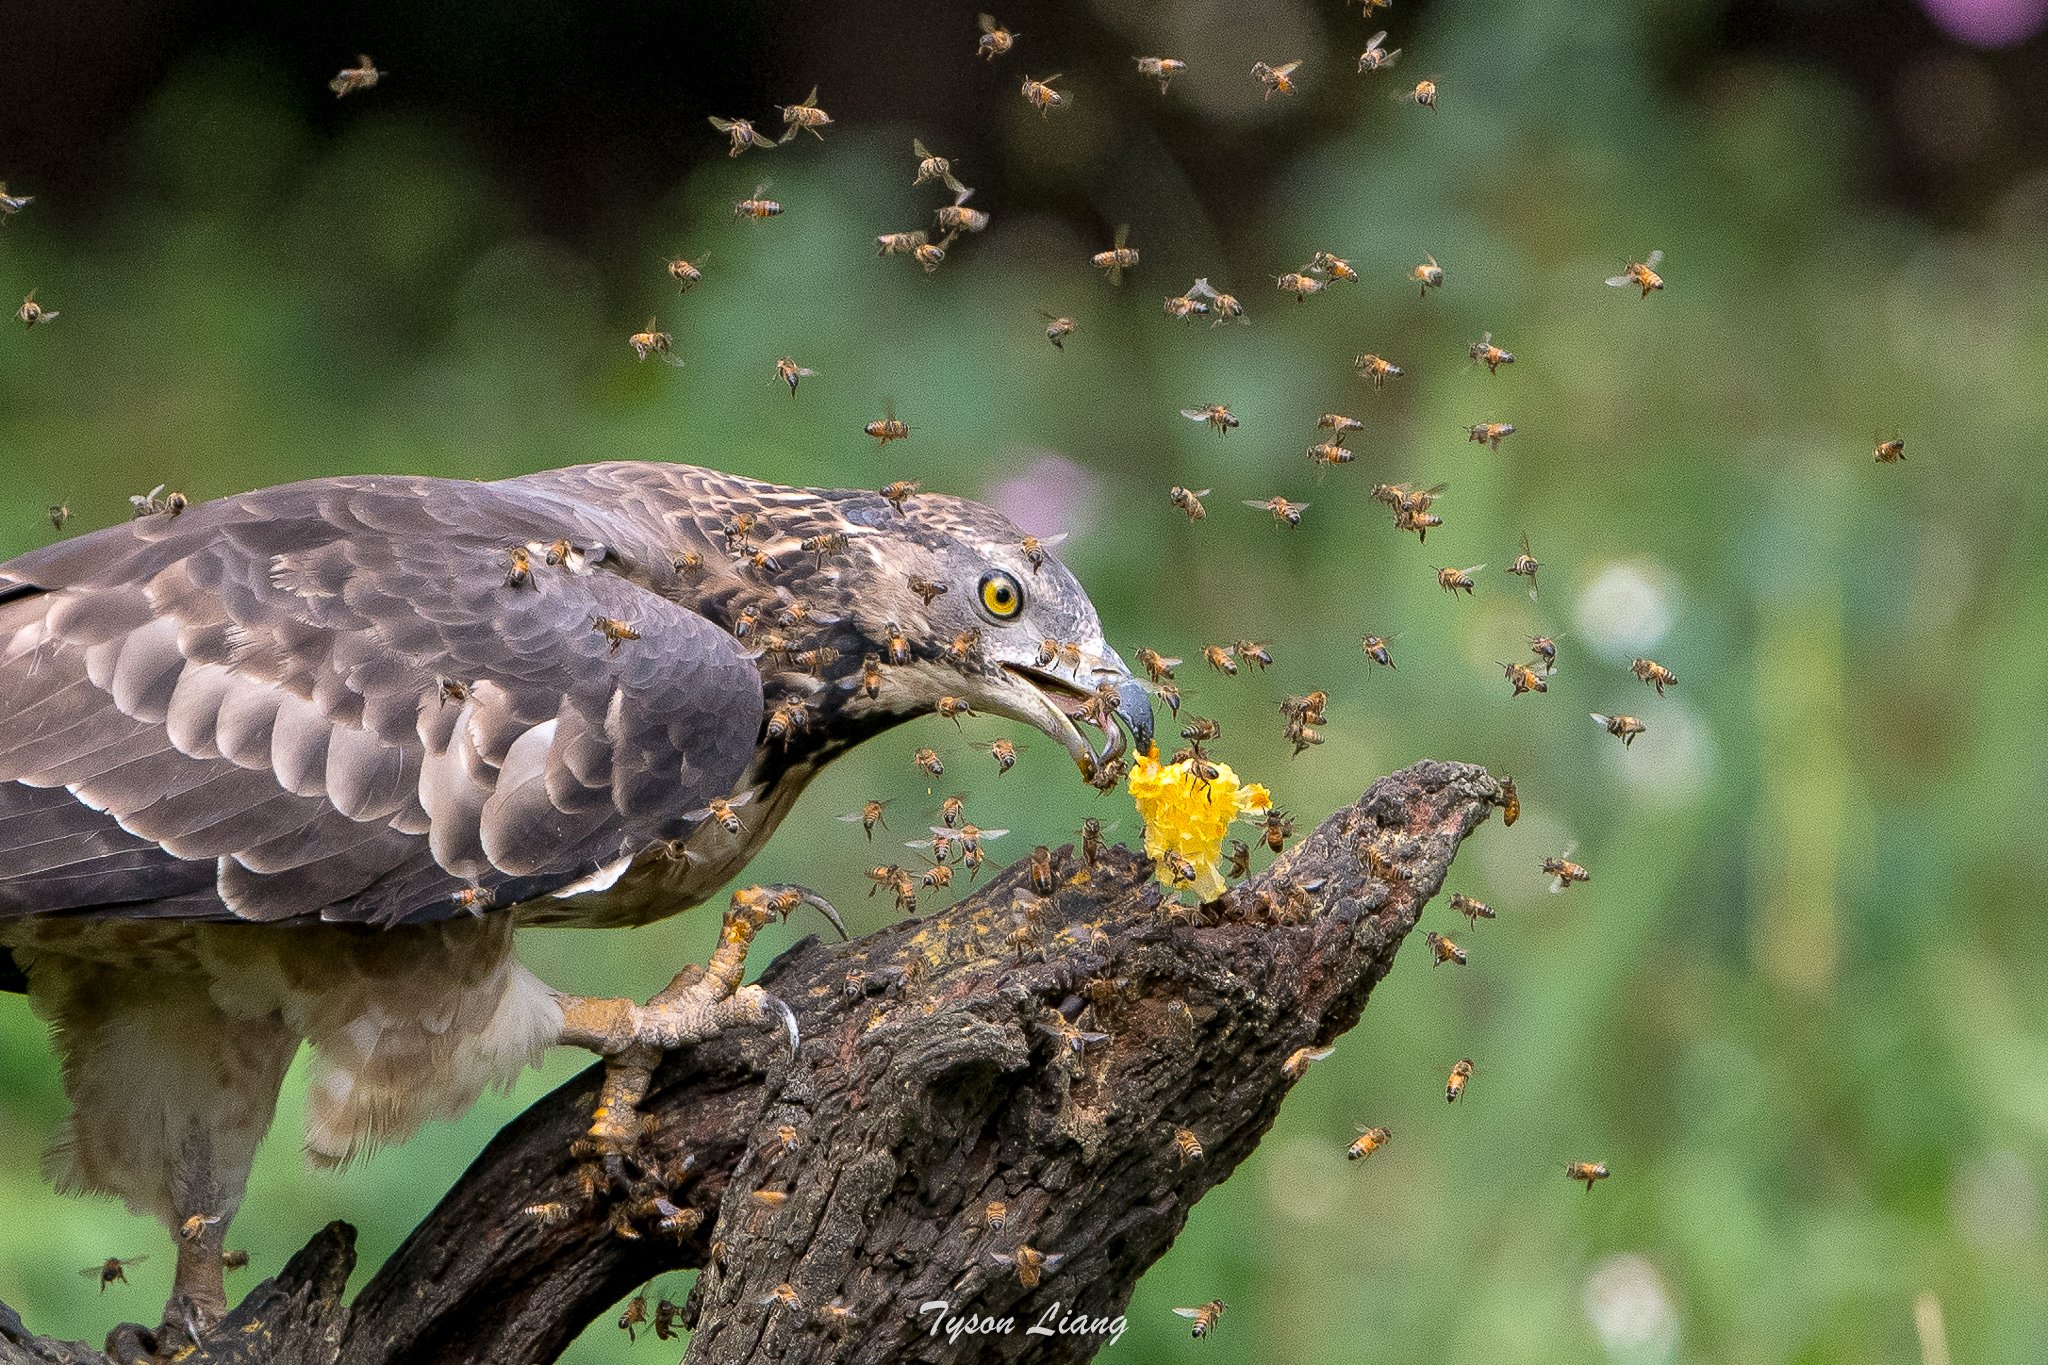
[940, 1070]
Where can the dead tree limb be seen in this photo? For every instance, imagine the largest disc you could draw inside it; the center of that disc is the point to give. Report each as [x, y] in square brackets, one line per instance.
[948, 1063]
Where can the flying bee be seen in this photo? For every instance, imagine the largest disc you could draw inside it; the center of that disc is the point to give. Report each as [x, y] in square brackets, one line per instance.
[928, 762]
[234, 1260]
[191, 1229]
[1473, 910]
[1170, 694]
[1336, 267]
[1442, 949]
[1368, 1141]
[1429, 275]
[1623, 728]
[1119, 258]
[884, 431]
[898, 493]
[686, 273]
[1331, 452]
[1424, 94]
[1218, 417]
[1225, 306]
[111, 1269]
[11, 204]
[957, 217]
[756, 207]
[869, 815]
[1188, 502]
[60, 512]
[1187, 1146]
[1307, 710]
[896, 648]
[931, 166]
[806, 117]
[742, 134]
[1588, 1171]
[1200, 730]
[1301, 1059]
[1340, 424]
[995, 40]
[1205, 1317]
[1376, 368]
[931, 255]
[882, 876]
[971, 836]
[1375, 647]
[1031, 1264]
[1040, 871]
[649, 340]
[1277, 830]
[1653, 673]
[362, 76]
[1284, 512]
[1890, 451]
[1525, 679]
[32, 312]
[614, 630]
[1178, 867]
[900, 243]
[1510, 802]
[1300, 285]
[668, 1318]
[783, 1295]
[1453, 581]
[1460, 1074]
[1255, 652]
[1041, 96]
[1108, 775]
[1526, 565]
[1181, 307]
[1057, 330]
[1240, 865]
[1161, 69]
[790, 373]
[1157, 666]
[1375, 57]
[519, 574]
[1003, 752]
[1421, 523]
[721, 813]
[952, 708]
[1563, 871]
[1483, 350]
[1640, 274]
[1034, 549]
[1221, 658]
[1490, 434]
[1278, 80]
[937, 877]
[1544, 648]
[635, 1315]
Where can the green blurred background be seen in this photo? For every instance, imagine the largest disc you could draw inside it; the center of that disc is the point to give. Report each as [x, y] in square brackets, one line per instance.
[1798, 1007]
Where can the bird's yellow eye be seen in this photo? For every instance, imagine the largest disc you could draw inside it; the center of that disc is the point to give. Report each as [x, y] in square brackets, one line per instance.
[1001, 596]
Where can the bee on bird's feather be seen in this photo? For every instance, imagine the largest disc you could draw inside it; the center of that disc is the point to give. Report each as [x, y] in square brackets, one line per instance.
[1375, 648]
[1460, 1074]
[1473, 910]
[1205, 1317]
[1188, 501]
[1375, 57]
[895, 645]
[1623, 728]
[634, 1316]
[1490, 434]
[756, 207]
[652, 341]
[1336, 267]
[1640, 274]
[963, 647]
[1120, 257]
[806, 117]
[1587, 1171]
[1454, 581]
[1442, 949]
[1423, 93]
[742, 134]
[1057, 329]
[1218, 417]
[1525, 566]
[11, 204]
[1653, 673]
[1525, 679]
[898, 493]
[869, 815]
[1544, 648]
[1493, 357]
[1510, 802]
[474, 899]
[1181, 307]
[885, 430]
[1562, 871]
[901, 243]
[926, 590]
[1034, 549]
[931, 255]
[614, 630]
[1003, 751]
[1891, 451]
[1187, 1145]
[1301, 1059]
[928, 762]
[1376, 368]
[931, 166]
[787, 371]
[1300, 285]
[957, 217]
[1368, 1141]
[1031, 1264]
[1161, 69]
[1041, 96]
[191, 1229]
[364, 75]
[32, 312]
[1225, 307]
[1278, 80]
[995, 40]
[686, 273]
[1429, 275]
[111, 1269]
[1284, 512]
[519, 574]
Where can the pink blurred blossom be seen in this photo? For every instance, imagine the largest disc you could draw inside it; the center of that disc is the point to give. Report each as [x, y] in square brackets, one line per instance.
[1049, 495]
[1988, 23]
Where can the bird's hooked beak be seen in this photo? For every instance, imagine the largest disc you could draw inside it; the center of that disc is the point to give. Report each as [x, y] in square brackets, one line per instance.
[1053, 701]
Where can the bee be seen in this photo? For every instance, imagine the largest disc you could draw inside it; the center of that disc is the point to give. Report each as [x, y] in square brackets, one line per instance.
[362, 76]
[1331, 452]
[1473, 910]
[1040, 871]
[1588, 1171]
[551, 1214]
[882, 876]
[1187, 1146]
[1423, 94]
[896, 649]
[931, 255]
[686, 273]
[937, 877]
[1170, 694]
[1205, 1317]
[11, 204]
[869, 815]
[1099, 708]
[1340, 424]
[756, 207]
[1255, 652]
[995, 1215]
[1544, 648]
[650, 340]
[191, 1229]
[1278, 80]
[1526, 565]
[1188, 501]
[1623, 728]
[1375, 647]
[884, 431]
[1490, 434]
[721, 812]
[1442, 949]
[900, 243]
[783, 1295]
[1653, 673]
[931, 166]
[1181, 307]
[1376, 368]
[1034, 548]
[1306, 710]
[742, 134]
[451, 690]
[898, 493]
[957, 217]
[791, 373]
[1157, 666]
[1525, 679]
[1221, 658]
[1284, 512]
[1003, 751]
[927, 591]
[1217, 416]
[952, 708]
[1057, 330]
[1040, 95]
[520, 572]
[1368, 1141]
[1301, 1059]
[971, 837]
[806, 117]
[1119, 258]
[1640, 274]
[1563, 871]
[1429, 275]
[1336, 267]
[1454, 580]
[1200, 730]
[1031, 1264]
[668, 1317]
[1240, 865]
[1300, 285]
[234, 1260]
[1890, 451]
[111, 1270]
[1108, 775]
[1161, 69]
[1091, 841]
[1375, 57]
[614, 630]
[1460, 1074]
[961, 649]
[1278, 829]
[791, 716]
[1510, 802]
[1483, 350]
[634, 1316]
[928, 762]
[746, 622]
[60, 512]
[995, 40]
[32, 312]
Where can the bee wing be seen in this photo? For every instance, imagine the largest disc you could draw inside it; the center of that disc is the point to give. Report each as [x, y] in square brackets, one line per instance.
[1375, 40]
[1201, 492]
[810, 100]
[924, 153]
[760, 189]
[852, 817]
[1286, 70]
[723, 125]
[1188, 1312]
[988, 25]
[1195, 415]
[1200, 289]
[1263, 504]
[993, 833]
[1473, 570]
[1620, 281]
[1655, 259]
[960, 191]
[1387, 59]
[1123, 230]
[1057, 538]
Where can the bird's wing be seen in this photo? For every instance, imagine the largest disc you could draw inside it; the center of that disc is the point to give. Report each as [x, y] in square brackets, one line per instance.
[238, 712]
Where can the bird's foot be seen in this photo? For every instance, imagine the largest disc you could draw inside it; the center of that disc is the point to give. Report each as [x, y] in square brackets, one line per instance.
[699, 1004]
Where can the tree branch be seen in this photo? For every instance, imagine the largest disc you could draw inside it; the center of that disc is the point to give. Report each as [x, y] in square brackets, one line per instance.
[947, 1063]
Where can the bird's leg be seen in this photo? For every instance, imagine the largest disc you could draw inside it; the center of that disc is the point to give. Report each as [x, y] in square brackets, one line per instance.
[699, 1004]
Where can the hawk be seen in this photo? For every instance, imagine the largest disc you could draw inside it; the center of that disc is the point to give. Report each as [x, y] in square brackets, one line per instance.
[291, 767]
